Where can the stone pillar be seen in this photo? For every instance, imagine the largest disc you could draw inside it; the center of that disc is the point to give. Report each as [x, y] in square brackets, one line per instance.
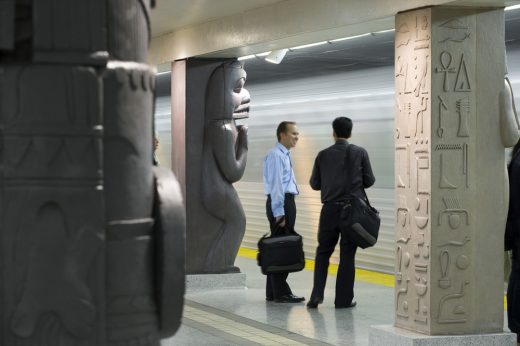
[451, 198]
[91, 234]
[209, 155]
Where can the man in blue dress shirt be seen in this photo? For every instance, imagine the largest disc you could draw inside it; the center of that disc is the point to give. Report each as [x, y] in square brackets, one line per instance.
[280, 188]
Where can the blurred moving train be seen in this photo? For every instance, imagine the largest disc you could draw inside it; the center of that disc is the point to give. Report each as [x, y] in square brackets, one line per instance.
[365, 93]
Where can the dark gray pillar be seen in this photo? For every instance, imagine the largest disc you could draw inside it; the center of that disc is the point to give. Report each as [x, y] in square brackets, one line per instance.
[91, 236]
[212, 157]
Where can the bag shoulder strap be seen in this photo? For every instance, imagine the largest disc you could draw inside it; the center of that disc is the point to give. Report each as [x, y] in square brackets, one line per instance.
[346, 161]
[348, 185]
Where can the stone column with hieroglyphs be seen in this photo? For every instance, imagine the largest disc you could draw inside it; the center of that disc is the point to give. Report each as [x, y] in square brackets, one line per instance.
[451, 199]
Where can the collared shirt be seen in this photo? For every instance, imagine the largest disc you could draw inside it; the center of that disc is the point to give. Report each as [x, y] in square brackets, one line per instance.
[329, 173]
[279, 177]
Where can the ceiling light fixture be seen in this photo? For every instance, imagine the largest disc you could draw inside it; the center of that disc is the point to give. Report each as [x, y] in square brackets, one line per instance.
[245, 57]
[309, 45]
[382, 31]
[350, 37]
[514, 7]
[276, 56]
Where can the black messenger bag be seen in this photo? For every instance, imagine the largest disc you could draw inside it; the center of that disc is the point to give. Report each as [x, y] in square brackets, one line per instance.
[360, 221]
[281, 253]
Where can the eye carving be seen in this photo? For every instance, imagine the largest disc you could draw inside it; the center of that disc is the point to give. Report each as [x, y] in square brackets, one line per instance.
[239, 85]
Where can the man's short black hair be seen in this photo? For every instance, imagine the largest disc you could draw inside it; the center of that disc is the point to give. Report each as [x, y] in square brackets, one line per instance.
[342, 126]
[282, 128]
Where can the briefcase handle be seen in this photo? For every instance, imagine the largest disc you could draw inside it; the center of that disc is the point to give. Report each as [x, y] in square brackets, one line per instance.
[281, 230]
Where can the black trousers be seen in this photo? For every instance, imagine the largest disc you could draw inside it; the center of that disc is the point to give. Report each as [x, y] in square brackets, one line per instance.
[277, 285]
[328, 235]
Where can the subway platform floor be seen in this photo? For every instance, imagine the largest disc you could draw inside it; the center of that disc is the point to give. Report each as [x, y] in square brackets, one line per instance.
[229, 317]
[244, 317]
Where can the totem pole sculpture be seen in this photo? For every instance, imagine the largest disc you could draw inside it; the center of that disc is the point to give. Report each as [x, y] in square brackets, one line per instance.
[91, 237]
[224, 162]
[509, 121]
[213, 157]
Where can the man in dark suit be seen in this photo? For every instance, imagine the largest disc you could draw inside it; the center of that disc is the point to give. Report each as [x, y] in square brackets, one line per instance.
[330, 176]
[513, 242]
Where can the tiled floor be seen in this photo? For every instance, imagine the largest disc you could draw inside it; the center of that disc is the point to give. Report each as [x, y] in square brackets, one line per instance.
[243, 317]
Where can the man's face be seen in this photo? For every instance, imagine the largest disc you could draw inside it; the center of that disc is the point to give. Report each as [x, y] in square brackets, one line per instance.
[290, 137]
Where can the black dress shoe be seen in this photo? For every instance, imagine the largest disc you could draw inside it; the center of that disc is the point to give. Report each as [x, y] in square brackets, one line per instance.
[313, 302]
[289, 298]
[351, 305]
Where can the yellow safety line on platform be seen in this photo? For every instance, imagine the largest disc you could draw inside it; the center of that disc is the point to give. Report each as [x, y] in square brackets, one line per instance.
[361, 274]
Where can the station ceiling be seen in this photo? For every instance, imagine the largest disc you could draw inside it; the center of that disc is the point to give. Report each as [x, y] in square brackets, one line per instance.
[170, 15]
[359, 53]
[364, 52]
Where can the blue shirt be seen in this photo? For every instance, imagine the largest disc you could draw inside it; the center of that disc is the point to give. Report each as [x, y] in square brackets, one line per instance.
[279, 177]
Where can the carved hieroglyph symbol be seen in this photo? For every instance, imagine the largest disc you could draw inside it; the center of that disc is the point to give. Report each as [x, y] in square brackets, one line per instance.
[457, 31]
[404, 35]
[403, 214]
[421, 220]
[402, 309]
[462, 262]
[422, 34]
[457, 312]
[446, 68]
[401, 73]
[444, 281]
[420, 76]
[403, 159]
[421, 287]
[422, 167]
[403, 118]
[463, 108]
[404, 240]
[442, 108]
[462, 82]
[408, 110]
[463, 38]
[465, 163]
[399, 274]
[445, 183]
[456, 242]
[454, 23]
[454, 212]
[421, 249]
[420, 115]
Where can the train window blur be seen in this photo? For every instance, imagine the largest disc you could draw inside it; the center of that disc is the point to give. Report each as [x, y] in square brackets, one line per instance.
[163, 111]
[365, 96]
[312, 86]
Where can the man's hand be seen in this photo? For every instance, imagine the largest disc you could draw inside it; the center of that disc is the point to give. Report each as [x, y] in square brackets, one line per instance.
[280, 220]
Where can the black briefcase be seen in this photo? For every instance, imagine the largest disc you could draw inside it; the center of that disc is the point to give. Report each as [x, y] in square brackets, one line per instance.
[281, 253]
[360, 222]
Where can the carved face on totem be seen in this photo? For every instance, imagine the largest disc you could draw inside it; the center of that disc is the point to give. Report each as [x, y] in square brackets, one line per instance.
[226, 96]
